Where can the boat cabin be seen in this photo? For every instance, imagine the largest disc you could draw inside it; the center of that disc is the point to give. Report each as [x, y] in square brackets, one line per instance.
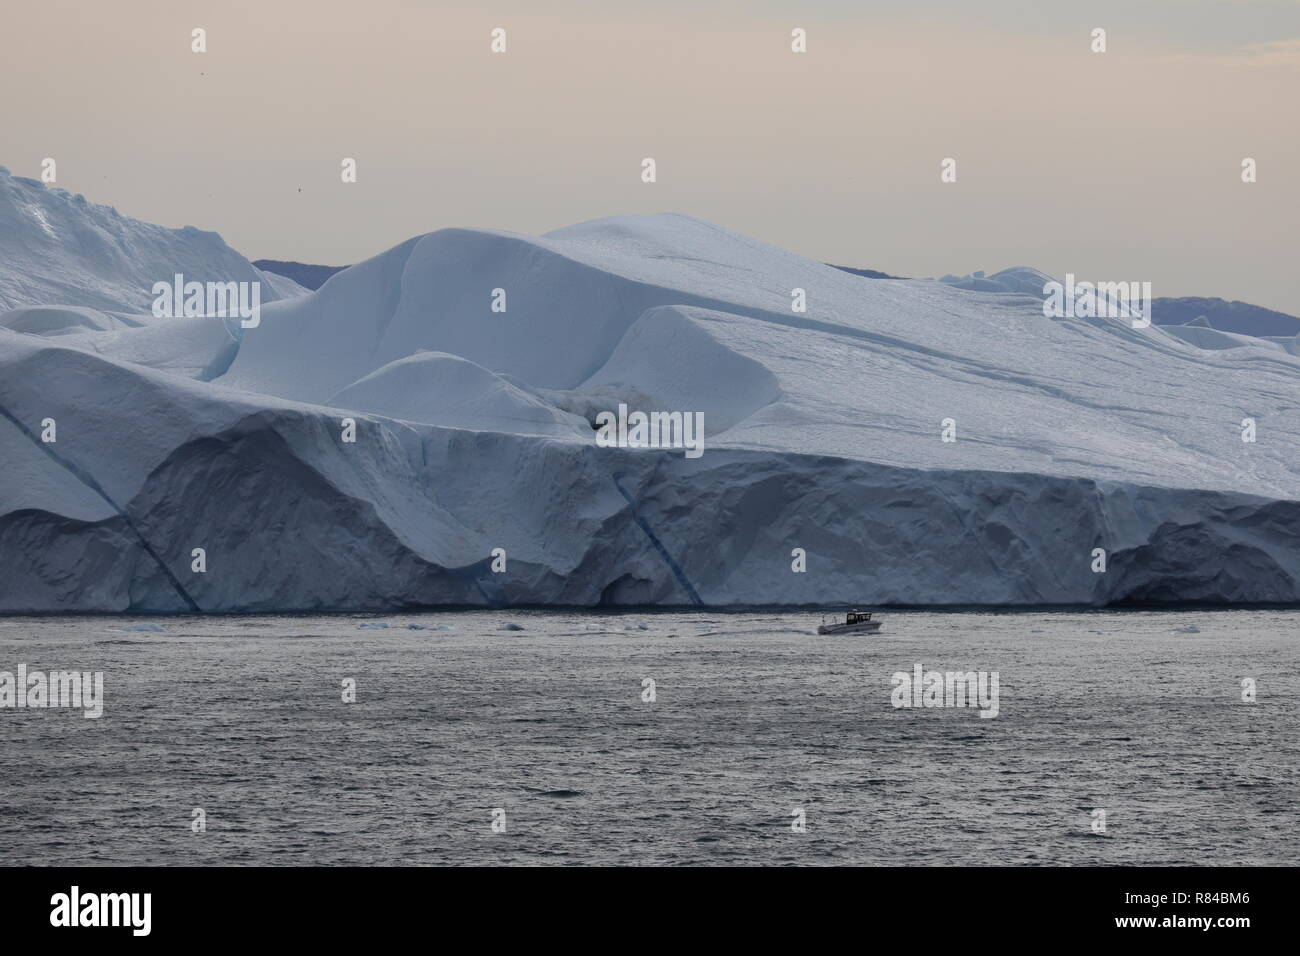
[858, 617]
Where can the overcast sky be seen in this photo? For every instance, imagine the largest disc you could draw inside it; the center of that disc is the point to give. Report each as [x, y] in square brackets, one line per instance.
[1117, 166]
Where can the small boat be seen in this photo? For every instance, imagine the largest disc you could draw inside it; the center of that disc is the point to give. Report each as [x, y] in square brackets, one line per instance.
[857, 622]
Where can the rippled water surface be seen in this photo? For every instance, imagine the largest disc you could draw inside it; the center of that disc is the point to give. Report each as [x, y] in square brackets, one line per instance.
[1140, 714]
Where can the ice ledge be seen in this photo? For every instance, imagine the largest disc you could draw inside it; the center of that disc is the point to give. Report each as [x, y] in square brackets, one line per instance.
[292, 522]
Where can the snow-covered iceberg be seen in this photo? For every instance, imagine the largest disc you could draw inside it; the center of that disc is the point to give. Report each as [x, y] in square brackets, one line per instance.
[200, 466]
[60, 249]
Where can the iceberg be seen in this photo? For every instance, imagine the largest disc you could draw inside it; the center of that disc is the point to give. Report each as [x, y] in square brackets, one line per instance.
[61, 249]
[419, 432]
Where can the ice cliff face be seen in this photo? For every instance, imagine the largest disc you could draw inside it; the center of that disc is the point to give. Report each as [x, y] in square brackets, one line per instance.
[470, 366]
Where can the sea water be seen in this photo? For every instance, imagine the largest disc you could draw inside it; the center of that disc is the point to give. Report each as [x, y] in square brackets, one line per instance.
[644, 737]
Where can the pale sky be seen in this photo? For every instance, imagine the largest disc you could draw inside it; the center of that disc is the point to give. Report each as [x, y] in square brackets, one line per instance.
[1118, 166]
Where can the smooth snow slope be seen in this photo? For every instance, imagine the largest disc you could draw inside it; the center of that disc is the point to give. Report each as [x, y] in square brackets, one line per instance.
[868, 372]
[473, 433]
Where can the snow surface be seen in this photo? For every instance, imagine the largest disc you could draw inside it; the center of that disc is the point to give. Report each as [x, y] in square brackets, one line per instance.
[473, 433]
[60, 249]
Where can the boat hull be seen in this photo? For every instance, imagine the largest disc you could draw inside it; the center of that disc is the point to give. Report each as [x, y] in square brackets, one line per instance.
[866, 627]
